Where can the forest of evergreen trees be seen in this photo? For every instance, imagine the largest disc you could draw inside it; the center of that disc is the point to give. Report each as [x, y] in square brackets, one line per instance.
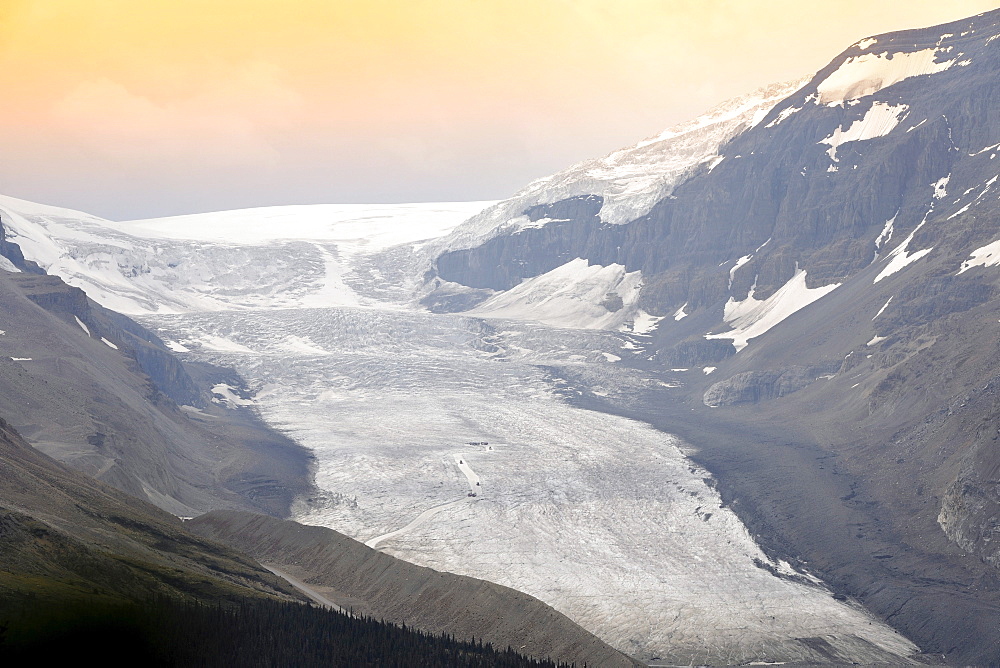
[253, 632]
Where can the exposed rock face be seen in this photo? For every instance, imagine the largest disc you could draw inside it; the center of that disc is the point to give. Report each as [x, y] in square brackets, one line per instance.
[149, 353]
[751, 387]
[697, 352]
[775, 184]
[355, 576]
[503, 262]
[841, 257]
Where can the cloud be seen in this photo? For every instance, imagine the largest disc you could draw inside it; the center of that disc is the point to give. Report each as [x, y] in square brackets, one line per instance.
[226, 123]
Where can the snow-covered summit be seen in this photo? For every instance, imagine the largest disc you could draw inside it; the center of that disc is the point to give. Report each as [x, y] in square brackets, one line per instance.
[289, 256]
[631, 180]
[363, 227]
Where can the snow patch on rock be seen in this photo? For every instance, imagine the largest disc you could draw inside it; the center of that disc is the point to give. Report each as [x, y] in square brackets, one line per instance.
[83, 325]
[879, 121]
[752, 317]
[644, 323]
[226, 394]
[882, 310]
[784, 114]
[901, 257]
[869, 73]
[984, 256]
[941, 187]
[739, 263]
[886, 234]
[176, 347]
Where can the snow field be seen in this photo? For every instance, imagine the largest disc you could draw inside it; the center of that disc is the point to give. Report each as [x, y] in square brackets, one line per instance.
[878, 121]
[358, 228]
[986, 256]
[221, 261]
[900, 256]
[572, 296]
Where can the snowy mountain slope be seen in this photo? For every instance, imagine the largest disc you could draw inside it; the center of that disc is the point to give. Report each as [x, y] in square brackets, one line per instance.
[630, 180]
[785, 193]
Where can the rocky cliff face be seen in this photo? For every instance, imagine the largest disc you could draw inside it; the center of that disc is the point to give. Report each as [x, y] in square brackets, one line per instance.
[834, 266]
[877, 177]
[818, 180]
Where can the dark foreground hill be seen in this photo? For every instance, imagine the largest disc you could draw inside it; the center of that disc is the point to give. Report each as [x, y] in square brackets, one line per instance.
[369, 582]
[167, 632]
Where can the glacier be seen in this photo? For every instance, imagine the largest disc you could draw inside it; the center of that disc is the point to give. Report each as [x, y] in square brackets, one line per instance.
[602, 517]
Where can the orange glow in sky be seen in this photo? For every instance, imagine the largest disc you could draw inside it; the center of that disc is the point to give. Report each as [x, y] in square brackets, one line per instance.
[131, 109]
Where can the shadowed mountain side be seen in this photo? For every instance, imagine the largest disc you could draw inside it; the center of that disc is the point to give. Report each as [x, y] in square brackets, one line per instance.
[64, 536]
[369, 582]
[98, 392]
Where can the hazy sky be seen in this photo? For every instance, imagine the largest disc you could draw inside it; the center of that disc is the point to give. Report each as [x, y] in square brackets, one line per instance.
[131, 109]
